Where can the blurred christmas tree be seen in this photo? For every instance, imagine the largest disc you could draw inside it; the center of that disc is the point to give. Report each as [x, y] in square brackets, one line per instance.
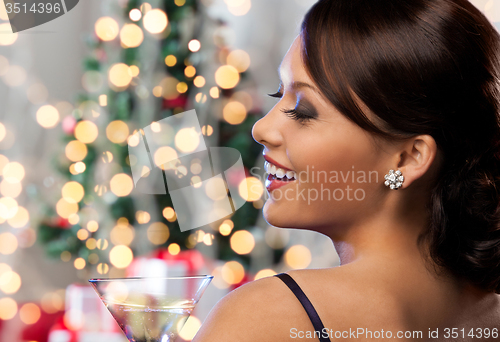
[147, 64]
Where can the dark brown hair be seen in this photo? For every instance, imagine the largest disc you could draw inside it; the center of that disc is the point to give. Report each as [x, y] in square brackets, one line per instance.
[424, 67]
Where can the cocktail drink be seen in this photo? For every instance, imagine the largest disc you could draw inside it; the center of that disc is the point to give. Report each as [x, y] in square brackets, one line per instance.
[151, 309]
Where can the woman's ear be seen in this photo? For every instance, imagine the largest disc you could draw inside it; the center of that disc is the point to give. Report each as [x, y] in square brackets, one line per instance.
[416, 158]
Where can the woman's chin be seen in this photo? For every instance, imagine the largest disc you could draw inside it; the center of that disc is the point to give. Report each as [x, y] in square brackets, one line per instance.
[277, 214]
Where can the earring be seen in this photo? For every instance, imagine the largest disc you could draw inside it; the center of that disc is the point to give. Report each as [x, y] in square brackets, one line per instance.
[394, 179]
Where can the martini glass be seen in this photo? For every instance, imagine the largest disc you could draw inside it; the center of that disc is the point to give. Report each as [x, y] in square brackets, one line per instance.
[151, 309]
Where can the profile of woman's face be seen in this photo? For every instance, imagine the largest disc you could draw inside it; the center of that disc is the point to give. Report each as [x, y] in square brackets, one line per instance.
[336, 168]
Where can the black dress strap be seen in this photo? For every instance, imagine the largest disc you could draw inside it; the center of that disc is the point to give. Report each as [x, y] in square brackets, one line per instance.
[306, 303]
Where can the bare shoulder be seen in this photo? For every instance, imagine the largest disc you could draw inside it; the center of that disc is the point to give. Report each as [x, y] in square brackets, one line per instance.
[267, 310]
[345, 299]
[254, 311]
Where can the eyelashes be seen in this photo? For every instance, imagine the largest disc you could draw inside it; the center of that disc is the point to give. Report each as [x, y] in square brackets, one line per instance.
[295, 113]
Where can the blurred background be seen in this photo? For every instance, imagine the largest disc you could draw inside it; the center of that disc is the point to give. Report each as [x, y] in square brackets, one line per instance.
[73, 92]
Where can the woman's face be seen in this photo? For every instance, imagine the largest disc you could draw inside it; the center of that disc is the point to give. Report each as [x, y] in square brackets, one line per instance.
[336, 170]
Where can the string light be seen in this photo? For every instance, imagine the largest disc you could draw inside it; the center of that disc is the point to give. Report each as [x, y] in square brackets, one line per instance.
[170, 60]
[106, 28]
[242, 242]
[155, 21]
[131, 35]
[194, 45]
[158, 233]
[46, 116]
[121, 256]
[234, 112]
[121, 185]
[227, 77]
[119, 75]
[135, 14]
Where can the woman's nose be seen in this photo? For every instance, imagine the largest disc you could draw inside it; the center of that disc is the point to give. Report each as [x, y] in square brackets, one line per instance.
[266, 131]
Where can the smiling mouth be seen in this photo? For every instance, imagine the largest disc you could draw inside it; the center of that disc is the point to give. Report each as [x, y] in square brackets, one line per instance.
[278, 177]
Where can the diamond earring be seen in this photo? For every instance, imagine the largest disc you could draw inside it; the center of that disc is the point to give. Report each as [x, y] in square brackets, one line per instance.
[394, 179]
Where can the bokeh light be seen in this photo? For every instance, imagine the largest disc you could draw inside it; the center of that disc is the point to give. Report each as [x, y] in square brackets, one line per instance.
[8, 207]
[102, 268]
[251, 189]
[86, 131]
[10, 282]
[121, 256]
[119, 75]
[169, 214]
[227, 77]
[170, 60]
[92, 226]
[155, 21]
[239, 59]
[121, 185]
[117, 131]
[79, 263]
[134, 70]
[164, 155]
[8, 243]
[106, 28]
[47, 116]
[8, 307]
[10, 189]
[194, 45]
[82, 234]
[169, 88]
[187, 140]
[234, 112]
[214, 92]
[215, 188]
[131, 35]
[122, 234]
[242, 242]
[135, 14]
[232, 272]
[29, 313]
[73, 192]
[199, 81]
[102, 244]
[158, 233]
[190, 71]
[65, 208]
[20, 219]
[76, 150]
[182, 87]
[174, 249]
[264, 273]
[142, 217]
[298, 256]
[13, 172]
[226, 227]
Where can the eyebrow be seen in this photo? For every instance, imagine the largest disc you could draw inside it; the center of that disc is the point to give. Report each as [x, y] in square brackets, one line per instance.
[298, 84]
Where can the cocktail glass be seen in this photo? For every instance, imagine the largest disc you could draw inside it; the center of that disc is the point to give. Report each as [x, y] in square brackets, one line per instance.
[151, 309]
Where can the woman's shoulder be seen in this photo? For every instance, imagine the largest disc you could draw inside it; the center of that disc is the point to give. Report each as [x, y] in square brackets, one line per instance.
[266, 309]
